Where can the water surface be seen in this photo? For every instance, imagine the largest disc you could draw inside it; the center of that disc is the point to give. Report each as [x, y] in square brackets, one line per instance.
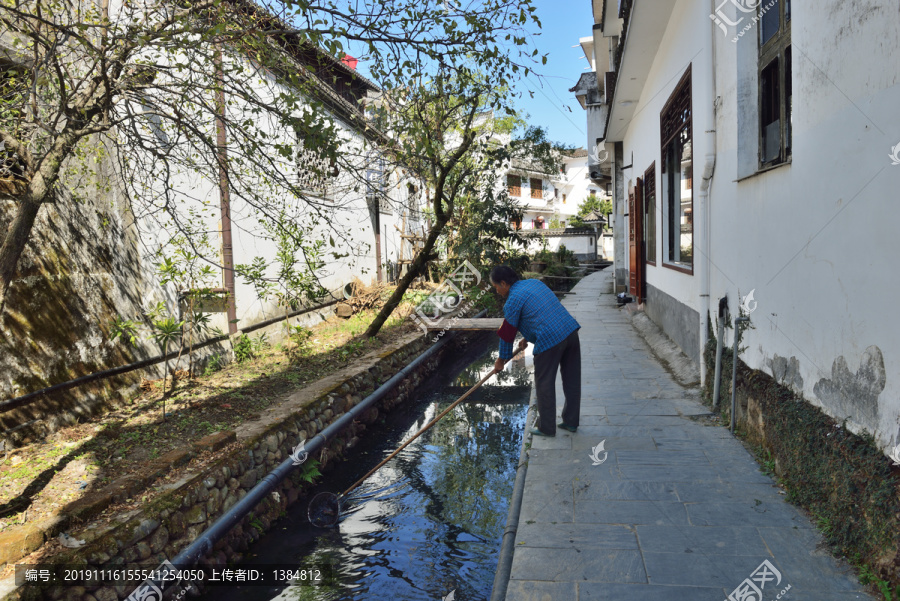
[431, 520]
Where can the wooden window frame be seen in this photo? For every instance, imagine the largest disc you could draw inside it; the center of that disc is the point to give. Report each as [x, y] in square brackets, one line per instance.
[669, 130]
[537, 191]
[776, 48]
[514, 190]
[650, 224]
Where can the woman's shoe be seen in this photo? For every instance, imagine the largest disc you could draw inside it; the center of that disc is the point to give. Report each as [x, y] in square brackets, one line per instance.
[565, 426]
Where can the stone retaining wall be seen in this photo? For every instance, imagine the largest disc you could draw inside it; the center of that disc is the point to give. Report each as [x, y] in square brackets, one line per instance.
[146, 537]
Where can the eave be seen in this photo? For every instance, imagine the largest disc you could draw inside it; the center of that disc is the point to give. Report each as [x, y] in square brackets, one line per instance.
[646, 24]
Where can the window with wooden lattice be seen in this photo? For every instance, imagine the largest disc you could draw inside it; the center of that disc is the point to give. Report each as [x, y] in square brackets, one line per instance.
[514, 185]
[676, 175]
[537, 187]
[775, 84]
[650, 213]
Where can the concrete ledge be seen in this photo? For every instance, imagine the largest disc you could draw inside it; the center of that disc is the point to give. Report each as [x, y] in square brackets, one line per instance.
[673, 359]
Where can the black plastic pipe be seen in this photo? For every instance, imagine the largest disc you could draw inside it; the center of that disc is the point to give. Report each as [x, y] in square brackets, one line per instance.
[204, 543]
[25, 399]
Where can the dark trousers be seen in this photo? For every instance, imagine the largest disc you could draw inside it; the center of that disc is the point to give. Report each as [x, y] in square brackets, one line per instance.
[566, 357]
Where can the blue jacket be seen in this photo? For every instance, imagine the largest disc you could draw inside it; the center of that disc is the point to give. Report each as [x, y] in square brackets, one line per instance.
[532, 309]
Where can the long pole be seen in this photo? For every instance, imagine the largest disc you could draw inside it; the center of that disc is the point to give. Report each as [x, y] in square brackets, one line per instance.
[420, 432]
[720, 341]
[224, 196]
[734, 362]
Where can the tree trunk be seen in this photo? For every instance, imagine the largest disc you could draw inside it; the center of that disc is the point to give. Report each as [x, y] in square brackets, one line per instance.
[17, 236]
[415, 269]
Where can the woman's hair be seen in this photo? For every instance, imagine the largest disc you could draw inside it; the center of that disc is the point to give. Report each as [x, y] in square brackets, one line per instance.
[502, 273]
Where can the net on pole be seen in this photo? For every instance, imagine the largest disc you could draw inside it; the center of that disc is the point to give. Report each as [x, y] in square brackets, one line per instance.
[324, 510]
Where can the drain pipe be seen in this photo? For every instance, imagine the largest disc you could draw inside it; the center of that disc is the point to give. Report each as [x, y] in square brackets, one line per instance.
[734, 362]
[720, 341]
[508, 545]
[708, 62]
[222, 526]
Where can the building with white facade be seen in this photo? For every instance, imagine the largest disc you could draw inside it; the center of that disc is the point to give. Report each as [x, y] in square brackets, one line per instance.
[728, 189]
[551, 200]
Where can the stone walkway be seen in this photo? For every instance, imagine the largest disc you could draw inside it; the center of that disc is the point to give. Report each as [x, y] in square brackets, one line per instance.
[675, 510]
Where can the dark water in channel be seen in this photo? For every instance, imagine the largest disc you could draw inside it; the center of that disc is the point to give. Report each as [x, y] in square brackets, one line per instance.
[427, 523]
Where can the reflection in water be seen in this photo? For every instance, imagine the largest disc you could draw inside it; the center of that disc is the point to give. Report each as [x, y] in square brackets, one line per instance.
[427, 523]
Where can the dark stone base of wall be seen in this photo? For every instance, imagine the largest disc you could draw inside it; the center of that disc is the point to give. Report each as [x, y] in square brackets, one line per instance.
[677, 320]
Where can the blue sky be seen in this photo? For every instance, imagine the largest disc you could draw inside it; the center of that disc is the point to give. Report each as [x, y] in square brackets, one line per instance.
[553, 106]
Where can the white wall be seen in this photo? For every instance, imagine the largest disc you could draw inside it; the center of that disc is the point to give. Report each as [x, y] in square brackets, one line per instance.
[814, 239]
[350, 231]
[580, 245]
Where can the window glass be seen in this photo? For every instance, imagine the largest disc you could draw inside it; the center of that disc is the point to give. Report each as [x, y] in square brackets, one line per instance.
[788, 101]
[676, 177]
[769, 113]
[768, 24]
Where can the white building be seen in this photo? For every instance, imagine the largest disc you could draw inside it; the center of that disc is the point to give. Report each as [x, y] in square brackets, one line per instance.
[551, 200]
[362, 220]
[727, 187]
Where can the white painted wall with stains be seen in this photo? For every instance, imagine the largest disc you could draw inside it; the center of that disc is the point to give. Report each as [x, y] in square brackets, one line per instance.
[814, 239]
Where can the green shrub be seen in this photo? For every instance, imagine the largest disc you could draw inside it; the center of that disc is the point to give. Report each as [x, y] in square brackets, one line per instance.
[297, 345]
[242, 348]
[566, 256]
[215, 363]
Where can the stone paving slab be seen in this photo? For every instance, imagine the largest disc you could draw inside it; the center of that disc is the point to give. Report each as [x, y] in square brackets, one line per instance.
[671, 509]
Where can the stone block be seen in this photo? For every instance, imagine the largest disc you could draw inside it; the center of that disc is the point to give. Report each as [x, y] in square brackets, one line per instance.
[19, 541]
[176, 524]
[159, 539]
[107, 593]
[216, 441]
[249, 479]
[196, 514]
[143, 549]
[144, 529]
[214, 501]
[175, 457]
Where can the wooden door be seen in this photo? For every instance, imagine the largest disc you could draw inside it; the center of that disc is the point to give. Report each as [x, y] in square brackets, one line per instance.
[637, 267]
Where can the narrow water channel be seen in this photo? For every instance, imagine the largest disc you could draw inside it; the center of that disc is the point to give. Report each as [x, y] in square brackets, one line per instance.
[430, 521]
